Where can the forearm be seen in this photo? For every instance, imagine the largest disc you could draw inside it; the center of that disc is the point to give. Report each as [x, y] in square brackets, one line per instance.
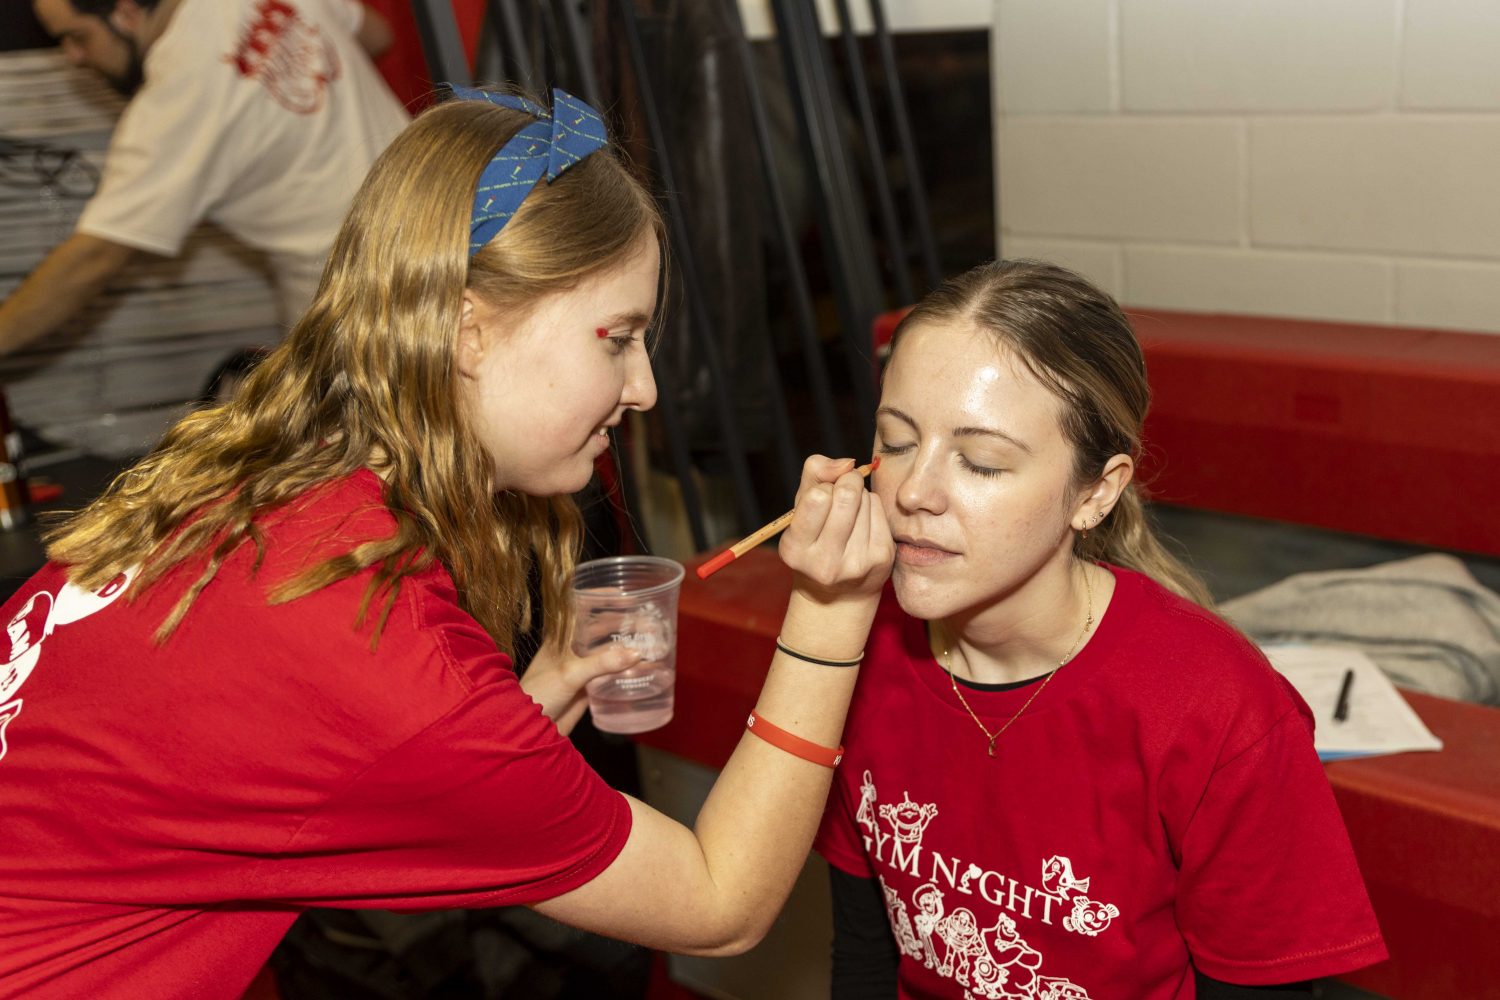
[728, 877]
[767, 799]
[67, 279]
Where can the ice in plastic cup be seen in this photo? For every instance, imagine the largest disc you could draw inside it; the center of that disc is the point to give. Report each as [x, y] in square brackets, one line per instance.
[631, 600]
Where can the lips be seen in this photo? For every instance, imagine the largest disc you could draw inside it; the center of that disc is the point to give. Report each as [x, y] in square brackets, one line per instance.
[921, 552]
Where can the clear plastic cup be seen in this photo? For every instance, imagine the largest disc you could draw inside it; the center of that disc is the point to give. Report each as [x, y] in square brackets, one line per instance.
[631, 600]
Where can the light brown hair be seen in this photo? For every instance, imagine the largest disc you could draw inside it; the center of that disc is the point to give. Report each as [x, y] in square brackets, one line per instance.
[368, 377]
[1078, 343]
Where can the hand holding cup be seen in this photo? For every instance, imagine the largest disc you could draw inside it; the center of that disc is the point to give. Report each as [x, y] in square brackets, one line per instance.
[557, 677]
[629, 602]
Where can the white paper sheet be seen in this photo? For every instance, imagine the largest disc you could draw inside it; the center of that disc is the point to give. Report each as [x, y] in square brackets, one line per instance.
[1379, 720]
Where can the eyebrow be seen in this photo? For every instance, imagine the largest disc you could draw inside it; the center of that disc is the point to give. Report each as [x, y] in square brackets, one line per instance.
[632, 319]
[962, 431]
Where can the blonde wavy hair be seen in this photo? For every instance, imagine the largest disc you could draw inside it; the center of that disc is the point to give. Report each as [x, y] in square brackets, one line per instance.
[1079, 344]
[367, 377]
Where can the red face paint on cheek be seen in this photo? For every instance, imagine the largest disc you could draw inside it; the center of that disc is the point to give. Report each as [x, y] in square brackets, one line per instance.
[601, 333]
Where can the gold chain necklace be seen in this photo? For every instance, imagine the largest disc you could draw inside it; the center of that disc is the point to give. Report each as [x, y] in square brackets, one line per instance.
[1088, 623]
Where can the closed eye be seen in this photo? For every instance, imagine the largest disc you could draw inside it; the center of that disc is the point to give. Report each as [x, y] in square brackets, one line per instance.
[619, 343]
[979, 470]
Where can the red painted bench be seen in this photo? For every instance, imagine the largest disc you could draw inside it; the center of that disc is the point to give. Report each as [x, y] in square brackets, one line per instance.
[1385, 432]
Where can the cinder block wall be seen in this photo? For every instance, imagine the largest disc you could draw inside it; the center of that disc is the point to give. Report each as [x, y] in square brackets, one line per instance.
[1325, 159]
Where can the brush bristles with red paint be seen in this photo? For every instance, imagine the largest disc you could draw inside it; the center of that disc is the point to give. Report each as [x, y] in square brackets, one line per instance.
[771, 530]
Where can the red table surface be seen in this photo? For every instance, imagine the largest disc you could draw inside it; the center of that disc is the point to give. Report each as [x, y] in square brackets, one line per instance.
[1425, 826]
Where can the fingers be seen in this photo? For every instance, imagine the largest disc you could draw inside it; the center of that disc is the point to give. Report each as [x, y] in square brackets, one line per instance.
[819, 469]
[838, 536]
[848, 499]
[815, 496]
[825, 511]
[611, 659]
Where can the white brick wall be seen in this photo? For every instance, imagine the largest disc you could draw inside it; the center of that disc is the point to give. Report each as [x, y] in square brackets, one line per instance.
[1335, 159]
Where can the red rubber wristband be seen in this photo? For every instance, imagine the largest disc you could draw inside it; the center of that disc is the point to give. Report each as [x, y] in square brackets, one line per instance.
[794, 744]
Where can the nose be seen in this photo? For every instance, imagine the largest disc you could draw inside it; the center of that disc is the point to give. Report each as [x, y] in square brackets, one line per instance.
[920, 486]
[640, 385]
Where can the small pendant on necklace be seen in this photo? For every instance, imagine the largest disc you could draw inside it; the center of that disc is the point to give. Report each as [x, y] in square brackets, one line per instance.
[992, 745]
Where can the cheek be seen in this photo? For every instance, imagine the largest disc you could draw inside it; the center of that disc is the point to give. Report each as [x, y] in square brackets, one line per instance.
[594, 392]
[1020, 525]
[1006, 507]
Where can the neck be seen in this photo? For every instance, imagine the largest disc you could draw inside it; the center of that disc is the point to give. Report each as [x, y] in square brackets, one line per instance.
[1031, 630]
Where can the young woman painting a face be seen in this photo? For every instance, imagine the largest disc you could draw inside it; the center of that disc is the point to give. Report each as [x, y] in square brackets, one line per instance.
[269, 669]
[1065, 777]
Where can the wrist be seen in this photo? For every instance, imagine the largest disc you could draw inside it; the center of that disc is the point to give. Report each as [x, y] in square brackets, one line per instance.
[834, 629]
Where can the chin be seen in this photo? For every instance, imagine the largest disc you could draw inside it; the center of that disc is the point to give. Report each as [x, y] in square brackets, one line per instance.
[921, 597]
[563, 486]
[558, 478]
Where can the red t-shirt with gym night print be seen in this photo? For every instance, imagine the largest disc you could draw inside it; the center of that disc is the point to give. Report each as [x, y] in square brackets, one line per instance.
[1159, 807]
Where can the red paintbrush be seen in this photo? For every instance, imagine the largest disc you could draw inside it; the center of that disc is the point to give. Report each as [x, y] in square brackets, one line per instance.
[771, 530]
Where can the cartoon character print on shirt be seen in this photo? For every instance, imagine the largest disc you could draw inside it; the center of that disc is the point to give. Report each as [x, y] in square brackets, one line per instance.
[994, 962]
[31, 626]
[1048, 988]
[908, 820]
[906, 937]
[288, 56]
[1010, 970]
[1088, 917]
[865, 815]
[1057, 877]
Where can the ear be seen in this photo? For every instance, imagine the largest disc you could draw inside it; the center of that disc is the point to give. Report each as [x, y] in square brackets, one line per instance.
[471, 343]
[1100, 497]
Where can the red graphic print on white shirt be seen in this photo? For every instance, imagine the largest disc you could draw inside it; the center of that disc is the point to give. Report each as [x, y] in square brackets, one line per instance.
[288, 55]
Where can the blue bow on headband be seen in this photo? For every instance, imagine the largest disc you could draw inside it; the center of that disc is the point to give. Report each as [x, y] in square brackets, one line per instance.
[546, 147]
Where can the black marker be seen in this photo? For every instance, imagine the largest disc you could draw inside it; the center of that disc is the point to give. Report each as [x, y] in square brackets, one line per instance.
[1341, 708]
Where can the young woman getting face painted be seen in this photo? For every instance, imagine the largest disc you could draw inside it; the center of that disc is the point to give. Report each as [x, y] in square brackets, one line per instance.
[1064, 777]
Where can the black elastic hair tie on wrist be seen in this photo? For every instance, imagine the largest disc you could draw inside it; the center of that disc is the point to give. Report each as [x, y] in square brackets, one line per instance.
[789, 651]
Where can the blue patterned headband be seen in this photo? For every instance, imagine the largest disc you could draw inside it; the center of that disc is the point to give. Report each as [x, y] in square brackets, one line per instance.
[546, 147]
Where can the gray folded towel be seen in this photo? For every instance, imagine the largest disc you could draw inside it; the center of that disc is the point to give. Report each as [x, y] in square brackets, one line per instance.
[1425, 621]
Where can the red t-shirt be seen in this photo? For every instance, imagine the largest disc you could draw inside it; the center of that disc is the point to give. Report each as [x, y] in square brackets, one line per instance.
[168, 809]
[1158, 807]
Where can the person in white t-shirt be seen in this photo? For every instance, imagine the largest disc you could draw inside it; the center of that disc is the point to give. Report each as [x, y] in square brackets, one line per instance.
[261, 116]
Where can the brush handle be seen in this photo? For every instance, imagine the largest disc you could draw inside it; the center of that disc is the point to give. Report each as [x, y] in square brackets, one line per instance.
[762, 534]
